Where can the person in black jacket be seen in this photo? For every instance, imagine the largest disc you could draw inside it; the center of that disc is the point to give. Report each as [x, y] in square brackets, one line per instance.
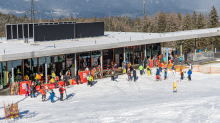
[134, 75]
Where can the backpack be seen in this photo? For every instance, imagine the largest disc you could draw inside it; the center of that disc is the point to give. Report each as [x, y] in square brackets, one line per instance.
[60, 90]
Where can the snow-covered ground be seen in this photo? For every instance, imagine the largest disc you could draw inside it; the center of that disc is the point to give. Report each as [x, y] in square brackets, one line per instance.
[144, 101]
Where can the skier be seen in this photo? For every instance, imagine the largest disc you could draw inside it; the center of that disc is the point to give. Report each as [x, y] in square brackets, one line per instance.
[124, 67]
[158, 74]
[32, 90]
[52, 94]
[190, 67]
[113, 75]
[160, 66]
[43, 93]
[54, 77]
[165, 74]
[27, 90]
[61, 90]
[173, 70]
[180, 59]
[90, 79]
[189, 75]
[141, 69]
[129, 74]
[148, 70]
[134, 75]
[182, 74]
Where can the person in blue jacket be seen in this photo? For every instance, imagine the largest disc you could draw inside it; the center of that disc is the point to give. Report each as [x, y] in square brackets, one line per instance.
[165, 74]
[180, 59]
[52, 94]
[189, 75]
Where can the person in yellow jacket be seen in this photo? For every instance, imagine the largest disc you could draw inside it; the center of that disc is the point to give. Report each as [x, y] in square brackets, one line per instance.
[90, 79]
[148, 70]
[26, 77]
[53, 79]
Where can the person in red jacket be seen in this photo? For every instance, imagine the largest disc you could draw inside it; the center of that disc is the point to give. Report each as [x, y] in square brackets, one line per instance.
[61, 90]
[160, 67]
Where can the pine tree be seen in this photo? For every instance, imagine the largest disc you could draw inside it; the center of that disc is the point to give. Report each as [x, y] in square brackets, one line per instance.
[187, 22]
[146, 24]
[162, 23]
[213, 18]
[201, 21]
[194, 20]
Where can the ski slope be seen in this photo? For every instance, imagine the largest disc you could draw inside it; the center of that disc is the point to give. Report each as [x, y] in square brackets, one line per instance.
[144, 101]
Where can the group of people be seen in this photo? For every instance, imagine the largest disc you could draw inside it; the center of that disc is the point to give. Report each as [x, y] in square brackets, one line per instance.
[32, 90]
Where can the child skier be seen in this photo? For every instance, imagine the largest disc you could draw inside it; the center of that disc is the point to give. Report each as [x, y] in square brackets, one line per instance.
[52, 94]
[158, 74]
[165, 74]
[173, 70]
[129, 74]
[32, 90]
[27, 90]
[90, 80]
[189, 74]
[148, 70]
[182, 74]
[43, 93]
[180, 59]
[61, 90]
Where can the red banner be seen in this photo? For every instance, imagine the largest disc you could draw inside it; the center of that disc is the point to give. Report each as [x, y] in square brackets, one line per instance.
[23, 87]
[83, 76]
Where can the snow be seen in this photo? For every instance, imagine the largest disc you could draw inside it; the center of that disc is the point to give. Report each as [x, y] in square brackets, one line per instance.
[144, 101]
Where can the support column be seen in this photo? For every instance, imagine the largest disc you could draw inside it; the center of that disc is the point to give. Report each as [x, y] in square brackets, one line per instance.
[46, 69]
[195, 46]
[215, 44]
[181, 52]
[12, 71]
[75, 65]
[124, 54]
[133, 55]
[145, 52]
[101, 63]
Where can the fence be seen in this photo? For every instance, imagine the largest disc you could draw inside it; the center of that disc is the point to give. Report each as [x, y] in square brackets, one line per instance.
[197, 68]
[203, 55]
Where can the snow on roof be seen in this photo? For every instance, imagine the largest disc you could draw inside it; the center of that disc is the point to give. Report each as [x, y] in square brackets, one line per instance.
[16, 49]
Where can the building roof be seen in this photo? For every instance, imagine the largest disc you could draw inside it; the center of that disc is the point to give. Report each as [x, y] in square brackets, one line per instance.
[16, 49]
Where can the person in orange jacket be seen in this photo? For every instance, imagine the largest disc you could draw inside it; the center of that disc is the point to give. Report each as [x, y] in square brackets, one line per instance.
[43, 92]
[61, 90]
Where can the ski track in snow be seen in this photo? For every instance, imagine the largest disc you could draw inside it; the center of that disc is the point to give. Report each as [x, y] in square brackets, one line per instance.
[127, 101]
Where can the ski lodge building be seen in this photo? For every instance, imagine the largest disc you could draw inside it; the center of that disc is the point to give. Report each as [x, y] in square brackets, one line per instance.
[43, 47]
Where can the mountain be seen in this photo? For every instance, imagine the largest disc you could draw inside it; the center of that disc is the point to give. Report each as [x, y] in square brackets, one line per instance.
[101, 8]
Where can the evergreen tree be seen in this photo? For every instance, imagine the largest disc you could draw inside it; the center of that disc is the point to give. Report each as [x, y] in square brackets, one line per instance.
[213, 18]
[194, 20]
[201, 23]
[187, 22]
[162, 23]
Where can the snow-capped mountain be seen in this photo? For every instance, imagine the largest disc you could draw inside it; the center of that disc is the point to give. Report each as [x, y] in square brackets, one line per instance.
[101, 8]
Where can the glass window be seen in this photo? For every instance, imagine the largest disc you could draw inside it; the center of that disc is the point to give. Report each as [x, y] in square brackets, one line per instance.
[137, 54]
[148, 50]
[18, 70]
[156, 49]
[59, 64]
[30, 68]
[107, 58]
[85, 60]
[129, 54]
[96, 58]
[3, 74]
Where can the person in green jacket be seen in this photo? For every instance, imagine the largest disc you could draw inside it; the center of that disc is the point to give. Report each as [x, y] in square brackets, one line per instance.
[90, 80]
[141, 69]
